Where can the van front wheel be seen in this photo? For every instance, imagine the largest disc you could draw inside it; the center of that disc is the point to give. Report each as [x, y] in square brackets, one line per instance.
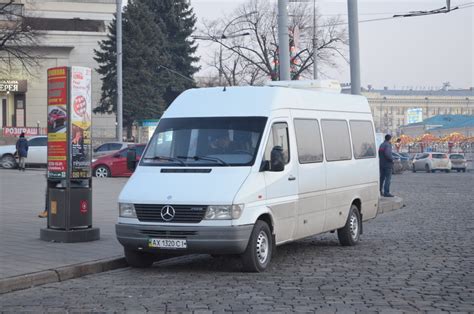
[259, 250]
[139, 259]
[349, 234]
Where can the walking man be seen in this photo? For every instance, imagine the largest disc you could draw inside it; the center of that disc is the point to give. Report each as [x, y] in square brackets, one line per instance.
[386, 166]
[22, 151]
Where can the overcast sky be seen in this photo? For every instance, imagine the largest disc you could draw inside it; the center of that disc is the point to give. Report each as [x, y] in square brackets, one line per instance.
[416, 52]
[407, 52]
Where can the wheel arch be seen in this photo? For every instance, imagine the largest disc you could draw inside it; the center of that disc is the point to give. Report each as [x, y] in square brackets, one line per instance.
[266, 217]
[358, 203]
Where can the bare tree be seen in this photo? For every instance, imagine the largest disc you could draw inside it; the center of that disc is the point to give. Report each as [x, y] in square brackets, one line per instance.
[248, 42]
[17, 38]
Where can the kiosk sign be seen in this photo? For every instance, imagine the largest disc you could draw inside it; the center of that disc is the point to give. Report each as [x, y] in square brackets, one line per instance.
[80, 129]
[57, 121]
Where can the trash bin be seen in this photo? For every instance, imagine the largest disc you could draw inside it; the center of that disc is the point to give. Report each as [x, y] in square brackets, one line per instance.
[70, 211]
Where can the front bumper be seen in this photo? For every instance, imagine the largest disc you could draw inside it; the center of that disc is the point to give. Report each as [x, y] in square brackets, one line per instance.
[206, 240]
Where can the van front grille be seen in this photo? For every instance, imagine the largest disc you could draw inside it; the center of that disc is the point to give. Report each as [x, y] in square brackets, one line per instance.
[182, 213]
[168, 233]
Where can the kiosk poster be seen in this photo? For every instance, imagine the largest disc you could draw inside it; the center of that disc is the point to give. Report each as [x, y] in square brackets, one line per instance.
[57, 122]
[81, 110]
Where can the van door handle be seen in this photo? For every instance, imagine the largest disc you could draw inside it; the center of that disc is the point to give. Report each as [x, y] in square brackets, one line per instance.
[291, 178]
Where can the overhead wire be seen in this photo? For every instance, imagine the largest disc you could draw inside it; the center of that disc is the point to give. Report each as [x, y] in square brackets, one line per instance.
[460, 7]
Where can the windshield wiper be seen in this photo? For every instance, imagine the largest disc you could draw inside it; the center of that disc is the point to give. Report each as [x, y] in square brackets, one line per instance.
[166, 158]
[196, 158]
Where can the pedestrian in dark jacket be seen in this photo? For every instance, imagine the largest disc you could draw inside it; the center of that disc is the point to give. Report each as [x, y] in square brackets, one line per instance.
[22, 151]
[386, 166]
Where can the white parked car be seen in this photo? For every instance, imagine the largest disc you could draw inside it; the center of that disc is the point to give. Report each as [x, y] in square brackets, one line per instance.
[37, 153]
[458, 161]
[430, 162]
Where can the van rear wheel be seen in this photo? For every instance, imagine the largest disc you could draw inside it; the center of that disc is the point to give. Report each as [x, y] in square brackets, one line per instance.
[350, 234]
[139, 259]
[259, 250]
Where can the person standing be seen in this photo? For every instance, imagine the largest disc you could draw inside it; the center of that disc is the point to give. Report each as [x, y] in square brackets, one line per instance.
[22, 151]
[386, 166]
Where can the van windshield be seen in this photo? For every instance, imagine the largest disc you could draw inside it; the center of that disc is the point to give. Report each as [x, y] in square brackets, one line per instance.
[209, 141]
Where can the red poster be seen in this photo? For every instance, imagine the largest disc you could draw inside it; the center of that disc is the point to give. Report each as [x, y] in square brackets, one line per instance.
[57, 122]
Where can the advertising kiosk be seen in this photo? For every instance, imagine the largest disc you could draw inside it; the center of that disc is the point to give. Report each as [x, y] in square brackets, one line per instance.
[69, 176]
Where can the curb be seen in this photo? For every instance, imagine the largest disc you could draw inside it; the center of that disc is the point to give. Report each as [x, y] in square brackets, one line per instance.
[390, 204]
[26, 281]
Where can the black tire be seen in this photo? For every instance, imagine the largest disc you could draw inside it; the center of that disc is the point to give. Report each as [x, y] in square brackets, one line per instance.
[427, 168]
[464, 170]
[433, 171]
[258, 253]
[349, 235]
[102, 172]
[447, 171]
[458, 170]
[139, 259]
[8, 161]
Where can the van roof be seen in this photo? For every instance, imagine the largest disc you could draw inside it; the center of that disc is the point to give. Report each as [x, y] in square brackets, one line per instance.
[259, 101]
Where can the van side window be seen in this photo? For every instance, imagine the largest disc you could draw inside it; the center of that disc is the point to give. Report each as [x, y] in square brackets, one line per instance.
[308, 141]
[278, 137]
[363, 141]
[337, 144]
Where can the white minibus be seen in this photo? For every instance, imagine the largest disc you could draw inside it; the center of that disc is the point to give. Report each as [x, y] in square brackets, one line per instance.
[240, 170]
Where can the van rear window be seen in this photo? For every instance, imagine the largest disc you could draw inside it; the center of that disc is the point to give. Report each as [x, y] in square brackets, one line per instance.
[363, 140]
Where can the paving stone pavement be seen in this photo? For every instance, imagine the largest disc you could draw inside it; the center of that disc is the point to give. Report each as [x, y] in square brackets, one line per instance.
[22, 199]
[417, 259]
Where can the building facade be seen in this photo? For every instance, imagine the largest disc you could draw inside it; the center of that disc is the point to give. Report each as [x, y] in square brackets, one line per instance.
[69, 31]
[393, 109]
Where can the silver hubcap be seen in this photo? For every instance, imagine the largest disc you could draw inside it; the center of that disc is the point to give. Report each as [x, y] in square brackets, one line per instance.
[101, 172]
[8, 162]
[262, 247]
[354, 226]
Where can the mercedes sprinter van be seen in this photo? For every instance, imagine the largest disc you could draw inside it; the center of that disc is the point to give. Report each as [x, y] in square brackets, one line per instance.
[240, 170]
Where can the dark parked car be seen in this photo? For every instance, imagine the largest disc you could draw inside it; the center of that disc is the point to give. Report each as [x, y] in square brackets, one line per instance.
[115, 164]
[397, 164]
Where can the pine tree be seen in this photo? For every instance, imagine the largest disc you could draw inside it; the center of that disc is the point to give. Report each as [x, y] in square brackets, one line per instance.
[155, 37]
[178, 21]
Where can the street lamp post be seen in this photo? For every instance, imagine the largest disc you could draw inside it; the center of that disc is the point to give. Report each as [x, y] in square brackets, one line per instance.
[224, 36]
[119, 129]
[283, 40]
[354, 45]
[315, 44]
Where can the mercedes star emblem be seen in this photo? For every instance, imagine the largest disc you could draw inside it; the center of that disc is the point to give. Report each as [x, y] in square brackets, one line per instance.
[167, 212]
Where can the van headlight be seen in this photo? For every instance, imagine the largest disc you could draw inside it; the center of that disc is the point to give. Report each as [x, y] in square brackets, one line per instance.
[224, 212]
[127, 210]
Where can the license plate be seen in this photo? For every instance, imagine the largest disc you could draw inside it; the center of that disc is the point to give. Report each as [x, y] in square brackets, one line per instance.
[167, 243]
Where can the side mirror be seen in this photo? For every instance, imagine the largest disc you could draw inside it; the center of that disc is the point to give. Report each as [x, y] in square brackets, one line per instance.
[277, 161]
[131, 159]
[265, 166]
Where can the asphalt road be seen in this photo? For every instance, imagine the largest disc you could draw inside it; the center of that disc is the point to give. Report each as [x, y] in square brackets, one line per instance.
[418, 258]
